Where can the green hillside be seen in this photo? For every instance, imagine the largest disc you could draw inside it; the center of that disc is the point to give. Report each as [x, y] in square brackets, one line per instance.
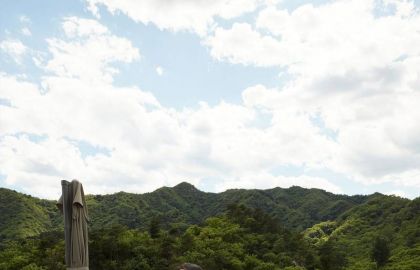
[295, 207]
[22, 215]
[393, 220]
[275, 229]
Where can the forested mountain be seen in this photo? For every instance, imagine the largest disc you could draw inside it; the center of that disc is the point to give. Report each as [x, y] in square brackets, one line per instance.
[392, 222]
[292, 228]
[23, 215]
[295, 207]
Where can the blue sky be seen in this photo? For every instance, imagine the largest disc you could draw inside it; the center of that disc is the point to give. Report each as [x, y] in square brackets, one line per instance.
[133, 95]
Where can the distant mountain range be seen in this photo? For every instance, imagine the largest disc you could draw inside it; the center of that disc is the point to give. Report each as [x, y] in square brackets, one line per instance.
[297, 208]
[352, 221]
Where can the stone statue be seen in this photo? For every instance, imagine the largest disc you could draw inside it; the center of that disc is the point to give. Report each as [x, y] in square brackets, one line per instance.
[73, 206]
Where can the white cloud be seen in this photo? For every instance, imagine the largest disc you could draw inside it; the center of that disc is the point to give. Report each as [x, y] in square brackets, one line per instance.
[24, 19]
[403, 8]
[243, 45]
[377, 138]
[357, 80]
[398, 193]
[191, 15]
[149, 145]
[357, 70]
[159, 70]
[89, 52]
[73, 106]
[25, 31]
[341, 35]
[14, 48]
[36, 167]
[78, 27]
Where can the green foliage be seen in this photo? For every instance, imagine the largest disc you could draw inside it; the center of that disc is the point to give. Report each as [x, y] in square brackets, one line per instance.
[42, 252]
[380, 251]
[154, 227]
[22, 215]
[404, 259]
[331, 256]
[320, 233]
[296, 208]
[241, 241]
[275, 229]
[117, 247]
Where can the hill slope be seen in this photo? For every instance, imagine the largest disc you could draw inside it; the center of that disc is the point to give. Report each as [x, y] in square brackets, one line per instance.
[297, 208]
[22, 215]
[394, 219]
[339, 232]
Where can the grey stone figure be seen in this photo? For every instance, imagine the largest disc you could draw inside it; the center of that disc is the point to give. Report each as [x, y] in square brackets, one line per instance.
[73, 206]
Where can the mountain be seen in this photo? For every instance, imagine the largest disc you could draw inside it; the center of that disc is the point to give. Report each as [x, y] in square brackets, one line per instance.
[23, 215]
[293, 228]
[392, 218]
[298, 208]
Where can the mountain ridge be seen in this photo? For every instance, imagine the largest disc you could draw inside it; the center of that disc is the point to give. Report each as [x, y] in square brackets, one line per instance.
[299, 208]
[334, 227]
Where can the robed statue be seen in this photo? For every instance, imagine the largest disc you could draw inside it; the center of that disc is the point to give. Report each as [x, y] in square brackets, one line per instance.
[72, 204]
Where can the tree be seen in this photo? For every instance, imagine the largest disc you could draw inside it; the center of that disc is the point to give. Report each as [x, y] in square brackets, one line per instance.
[380, 251]
[331, 257]
[154, 227]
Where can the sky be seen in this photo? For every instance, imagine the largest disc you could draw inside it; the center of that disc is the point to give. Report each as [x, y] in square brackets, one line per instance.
[135, 95]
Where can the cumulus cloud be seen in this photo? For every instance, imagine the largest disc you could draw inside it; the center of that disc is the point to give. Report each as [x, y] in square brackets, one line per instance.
[89, 51]
[14, 48]
[243, 45]
[341, 35]
[68, 107]
[147, 145]
[351, 66]
[191, 15]
[358, 81]
[374, 119]
[79, 27]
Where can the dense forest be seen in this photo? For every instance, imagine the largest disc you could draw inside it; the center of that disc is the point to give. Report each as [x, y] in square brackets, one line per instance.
[292, 228]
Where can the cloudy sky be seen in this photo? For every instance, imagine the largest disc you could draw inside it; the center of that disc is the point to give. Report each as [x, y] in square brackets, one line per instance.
[135, 95]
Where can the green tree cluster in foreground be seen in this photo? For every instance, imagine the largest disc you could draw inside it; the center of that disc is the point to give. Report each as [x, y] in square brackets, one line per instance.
[383, 233]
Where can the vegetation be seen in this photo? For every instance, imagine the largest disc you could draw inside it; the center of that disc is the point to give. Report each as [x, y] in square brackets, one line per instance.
[236, 229]
[297, 208]
[22, 215]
